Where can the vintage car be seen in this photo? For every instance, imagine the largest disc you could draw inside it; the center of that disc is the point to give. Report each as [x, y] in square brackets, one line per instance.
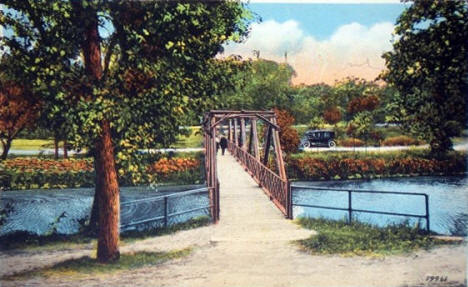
[318, 138]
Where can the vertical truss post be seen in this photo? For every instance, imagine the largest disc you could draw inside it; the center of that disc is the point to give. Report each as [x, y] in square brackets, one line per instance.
[236, 136]
[278, 152]
[230, 130]
[267, 146]
[254, 139]
[242, 131]
[214, 194]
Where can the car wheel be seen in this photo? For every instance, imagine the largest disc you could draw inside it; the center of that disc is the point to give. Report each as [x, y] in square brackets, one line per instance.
[331, 144]
[306, 144]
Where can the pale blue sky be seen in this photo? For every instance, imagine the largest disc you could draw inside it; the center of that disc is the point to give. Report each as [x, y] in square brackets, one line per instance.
[321, 20]
[324, 42]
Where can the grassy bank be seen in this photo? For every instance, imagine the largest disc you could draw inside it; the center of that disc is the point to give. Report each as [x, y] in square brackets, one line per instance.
[337, 237]
[89, 265]
[32, 144]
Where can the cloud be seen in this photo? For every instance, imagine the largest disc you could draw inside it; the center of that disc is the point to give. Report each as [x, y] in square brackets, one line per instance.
[352, 50]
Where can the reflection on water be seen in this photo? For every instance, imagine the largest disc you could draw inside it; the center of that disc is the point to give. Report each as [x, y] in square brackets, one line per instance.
[448, 201]
[40, 211]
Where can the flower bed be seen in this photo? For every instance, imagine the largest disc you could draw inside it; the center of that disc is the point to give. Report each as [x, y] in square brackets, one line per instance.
[339, 167]
[32, 173]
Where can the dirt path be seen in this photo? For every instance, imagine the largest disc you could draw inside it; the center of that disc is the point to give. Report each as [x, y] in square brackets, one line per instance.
[251, 247]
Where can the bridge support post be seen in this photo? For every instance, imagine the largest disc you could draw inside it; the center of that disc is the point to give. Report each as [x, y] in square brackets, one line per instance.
[230, 131]
[236, 135]
[267, 146]
[213, 178]
[242, 131]
[279, 153]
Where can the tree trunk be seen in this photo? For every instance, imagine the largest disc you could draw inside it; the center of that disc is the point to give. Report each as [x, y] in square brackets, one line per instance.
[108, 197]
[65, 149]
[108, 189]
[93, 226]
[6, 147]
[56, 148]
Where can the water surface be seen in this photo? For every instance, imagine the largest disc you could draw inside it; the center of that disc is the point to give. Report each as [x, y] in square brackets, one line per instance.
[448, 201]
[65, 210]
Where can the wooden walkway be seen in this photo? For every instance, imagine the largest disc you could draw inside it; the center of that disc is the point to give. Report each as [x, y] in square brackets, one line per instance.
[247, 214]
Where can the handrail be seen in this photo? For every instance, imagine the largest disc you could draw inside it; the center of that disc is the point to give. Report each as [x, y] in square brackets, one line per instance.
[166, 198]
[161, 197]
[350, 208]
[273, 185]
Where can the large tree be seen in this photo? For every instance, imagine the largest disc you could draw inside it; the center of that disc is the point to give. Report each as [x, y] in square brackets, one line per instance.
[429, 68]
[19, 109]
[137, 68]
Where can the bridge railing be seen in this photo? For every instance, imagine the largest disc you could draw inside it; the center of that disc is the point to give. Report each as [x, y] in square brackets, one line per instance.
[350, 209]
[159, 208]
[276, 188]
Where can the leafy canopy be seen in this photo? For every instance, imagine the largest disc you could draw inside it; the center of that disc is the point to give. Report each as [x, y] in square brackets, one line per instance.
[429, 68]
[159, 69]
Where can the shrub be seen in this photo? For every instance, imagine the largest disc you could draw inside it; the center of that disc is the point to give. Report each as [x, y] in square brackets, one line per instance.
[401, 141]
[317, 167]
[351, 142]
[289, 138]
[368, 103]
[332, 115]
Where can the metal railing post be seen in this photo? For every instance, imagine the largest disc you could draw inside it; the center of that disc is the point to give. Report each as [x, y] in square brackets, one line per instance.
[350, 207]
[165, 211]
[290, 203]
[428, 226]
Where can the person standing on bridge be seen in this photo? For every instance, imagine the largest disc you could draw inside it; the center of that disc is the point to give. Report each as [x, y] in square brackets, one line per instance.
[223, 144]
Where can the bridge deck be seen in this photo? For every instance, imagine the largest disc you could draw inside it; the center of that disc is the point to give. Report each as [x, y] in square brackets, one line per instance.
[246, 213]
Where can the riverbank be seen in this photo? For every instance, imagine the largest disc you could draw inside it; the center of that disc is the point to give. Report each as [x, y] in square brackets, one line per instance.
[245, 264]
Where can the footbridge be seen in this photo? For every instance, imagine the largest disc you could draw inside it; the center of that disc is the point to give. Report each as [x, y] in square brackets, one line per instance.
[260, 156]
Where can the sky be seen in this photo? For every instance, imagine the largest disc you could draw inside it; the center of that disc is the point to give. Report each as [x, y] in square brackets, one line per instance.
[323, 42]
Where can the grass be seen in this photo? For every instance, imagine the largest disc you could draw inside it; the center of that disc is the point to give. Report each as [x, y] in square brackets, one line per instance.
[28, 144]
[37, 243]
[337, 237]
[388, 155]
[193, 140]
[87, 265]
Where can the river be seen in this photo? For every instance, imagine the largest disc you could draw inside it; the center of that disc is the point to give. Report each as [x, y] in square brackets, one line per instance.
[448, 201]
[65, 210]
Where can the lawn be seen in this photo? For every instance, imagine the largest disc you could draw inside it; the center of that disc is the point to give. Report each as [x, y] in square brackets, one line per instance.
[89, 265]
[338, 237]
[193, 140]
[28, 144]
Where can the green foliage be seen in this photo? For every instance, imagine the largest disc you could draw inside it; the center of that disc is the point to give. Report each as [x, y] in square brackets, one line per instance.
[429, 68]
[159, 69]
[14, 180]
[338, 237]
[308, 102]
[363, 124]
[264, 84]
